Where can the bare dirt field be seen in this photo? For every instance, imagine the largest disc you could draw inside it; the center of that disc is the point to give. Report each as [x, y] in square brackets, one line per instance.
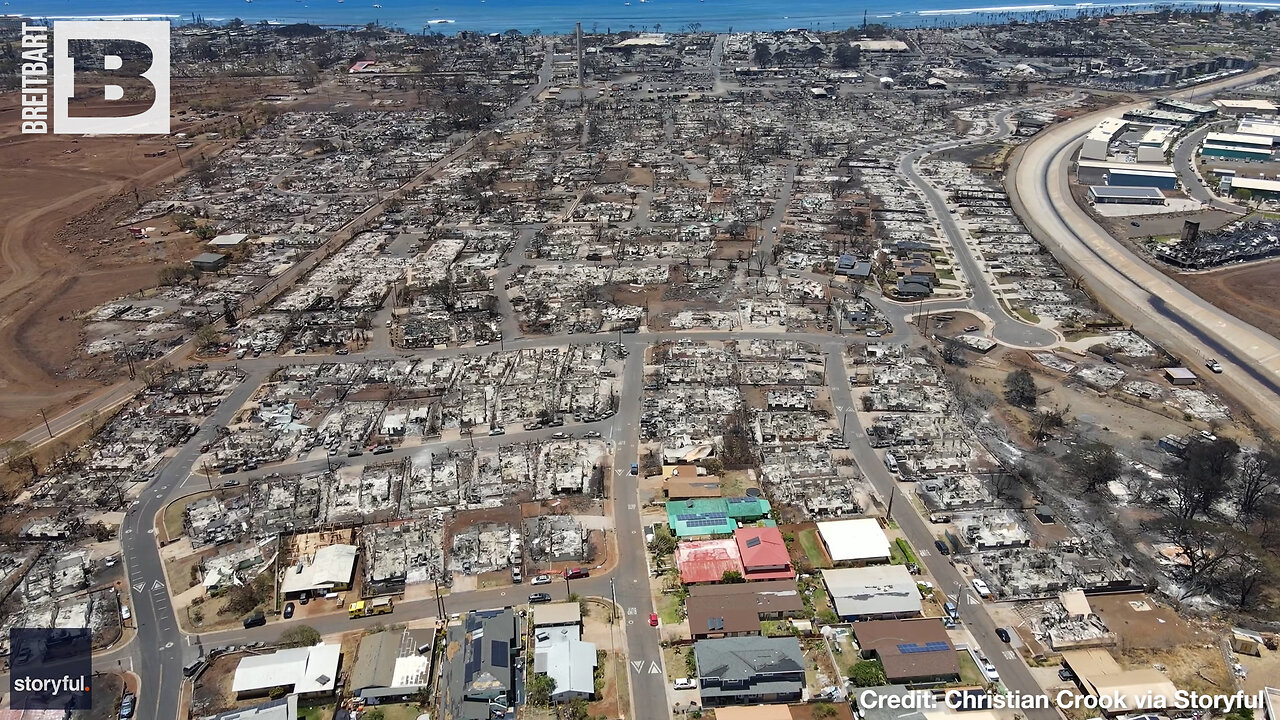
[62, 250]
[1250, 292]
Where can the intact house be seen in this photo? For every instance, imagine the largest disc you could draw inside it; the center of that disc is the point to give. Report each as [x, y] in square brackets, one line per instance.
[392, 665]
[764, 554]
[332, 569]
[877, 592]
[308, 672]
[749, 670]
[859, 541]
[478, 679]
[731, 609]
[560, 653]
[911, 651]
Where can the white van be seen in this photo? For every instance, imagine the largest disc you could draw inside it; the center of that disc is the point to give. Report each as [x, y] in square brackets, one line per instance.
[891, 463]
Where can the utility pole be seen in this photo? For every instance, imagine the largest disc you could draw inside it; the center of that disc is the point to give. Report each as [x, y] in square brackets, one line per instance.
[844, 422]
[46, 423]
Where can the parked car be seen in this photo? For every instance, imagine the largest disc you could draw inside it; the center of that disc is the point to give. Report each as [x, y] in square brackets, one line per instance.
[498, 431]
[341, 351]
[685, 684]
[942, 547]
[382, 450]
[516, 575]
[124, 612]
[990, 670]
[288, 610]
[540, 580]
[591, 434]
[127, 705]
[1066, 675]
[1002, 634]
[1214, 366]
[653, 619]
[576, 573]
[539, 597]
[971, 328]
[558, 435]
[255, 620]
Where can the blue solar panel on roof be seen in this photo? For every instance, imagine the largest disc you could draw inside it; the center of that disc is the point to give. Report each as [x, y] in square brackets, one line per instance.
[909, 648]
[753, 541]
[500, 650]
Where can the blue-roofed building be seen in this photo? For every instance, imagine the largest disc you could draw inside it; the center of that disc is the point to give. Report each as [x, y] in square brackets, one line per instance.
[711, 517]
[479, 678]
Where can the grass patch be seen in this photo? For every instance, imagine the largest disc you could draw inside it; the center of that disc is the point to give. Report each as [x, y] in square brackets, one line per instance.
[905, 547]
[813, 548]
[1027, 315]
[775, 628]
[969, 672]
[316, 712]
[669, 609]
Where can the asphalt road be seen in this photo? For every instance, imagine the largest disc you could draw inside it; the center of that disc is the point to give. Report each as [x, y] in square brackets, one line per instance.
[1007, 328]
[1184, 158]
[1013, 672]
[1128, 286]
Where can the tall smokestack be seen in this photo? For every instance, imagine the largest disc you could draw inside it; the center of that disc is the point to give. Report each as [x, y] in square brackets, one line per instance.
[577, 36]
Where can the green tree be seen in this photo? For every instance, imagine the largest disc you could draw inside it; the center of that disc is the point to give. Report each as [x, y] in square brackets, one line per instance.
[867, 673]
[300, 636]
[1020, 388]
[373, 714]
[847, 55]
[184, 222]
[206, 232]
[540, 689]
[761, 55]
[732, 576]
[207, 335]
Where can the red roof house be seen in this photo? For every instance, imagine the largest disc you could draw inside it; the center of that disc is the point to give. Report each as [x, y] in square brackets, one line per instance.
[706, 561]
[764, 554]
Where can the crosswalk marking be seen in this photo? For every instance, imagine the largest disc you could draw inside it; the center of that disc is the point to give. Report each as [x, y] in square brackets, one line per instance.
[1010, 655]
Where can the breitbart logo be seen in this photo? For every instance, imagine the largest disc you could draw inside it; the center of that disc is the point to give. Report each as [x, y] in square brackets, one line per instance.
[144, 43]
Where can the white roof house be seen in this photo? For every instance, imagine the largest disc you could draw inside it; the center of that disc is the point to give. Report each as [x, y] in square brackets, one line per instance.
[332, 568]
[858, 541]
[229, 239]
[305, 671]
[568, 660]
[877, 592]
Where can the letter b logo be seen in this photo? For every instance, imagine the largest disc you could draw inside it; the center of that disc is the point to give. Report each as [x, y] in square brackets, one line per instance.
[154, 35]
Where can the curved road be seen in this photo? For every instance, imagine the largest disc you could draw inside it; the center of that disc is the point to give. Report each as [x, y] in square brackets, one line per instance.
[1127, 285]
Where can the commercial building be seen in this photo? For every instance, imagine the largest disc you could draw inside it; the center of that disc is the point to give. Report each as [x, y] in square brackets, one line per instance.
[763, 553]
[877, 592]
[309, 672]
[1258, 188]
[860, 541]
[1247, 107]
[730, 609]
[1179, 376]
[914, 651]
[1155, 144]
[1125, 195]
[1098, 141]
[1183, 106]
[749, 670]
[228, 240]
[1160, 117]
[1138, 176]
[1260, 128]
[1236, 146]
[332, 569]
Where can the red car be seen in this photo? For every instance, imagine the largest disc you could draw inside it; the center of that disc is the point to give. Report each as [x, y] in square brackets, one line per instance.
[653, 619]
[576, 573]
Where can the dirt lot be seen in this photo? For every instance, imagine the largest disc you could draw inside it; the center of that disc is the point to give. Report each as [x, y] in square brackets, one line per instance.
[61, 252]
[1250, 292]
[1189, 653]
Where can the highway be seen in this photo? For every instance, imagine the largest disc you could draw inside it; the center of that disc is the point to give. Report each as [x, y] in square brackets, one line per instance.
[1127, 285]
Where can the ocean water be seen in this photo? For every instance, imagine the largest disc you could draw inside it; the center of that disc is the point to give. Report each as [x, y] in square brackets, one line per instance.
[559, 16]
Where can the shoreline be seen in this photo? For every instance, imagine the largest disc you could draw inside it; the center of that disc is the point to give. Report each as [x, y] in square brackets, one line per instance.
[709, 18]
